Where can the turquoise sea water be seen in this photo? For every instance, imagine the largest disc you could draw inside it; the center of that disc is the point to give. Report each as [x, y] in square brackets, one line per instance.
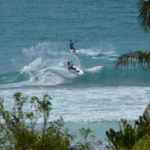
[34, 48]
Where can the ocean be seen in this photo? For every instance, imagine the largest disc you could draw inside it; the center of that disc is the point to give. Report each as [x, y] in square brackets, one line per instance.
[34, 49]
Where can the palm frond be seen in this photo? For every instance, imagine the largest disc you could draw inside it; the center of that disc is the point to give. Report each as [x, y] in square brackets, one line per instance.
[137, 59]
[144, 14]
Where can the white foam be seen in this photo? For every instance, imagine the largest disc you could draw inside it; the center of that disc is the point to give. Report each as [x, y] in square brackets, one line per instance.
[33, 65]
[105, 51]
[48, 71]
[40, 74]
[94, 69]
[91, 104]
[46, 64]
[89, 52]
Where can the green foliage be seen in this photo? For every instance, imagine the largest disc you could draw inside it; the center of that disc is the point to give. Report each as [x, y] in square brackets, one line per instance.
[140, 58]
[143, 126]
[128, 136]
[142, 144]
[144, 13]
[124, 138]
[137, 59]
[86, 138]
[85, 132]
[19, 129]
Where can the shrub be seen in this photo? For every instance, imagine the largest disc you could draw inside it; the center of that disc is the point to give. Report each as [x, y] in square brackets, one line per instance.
[142, 144]
[124, 138]
[128, 135]
[19, 128]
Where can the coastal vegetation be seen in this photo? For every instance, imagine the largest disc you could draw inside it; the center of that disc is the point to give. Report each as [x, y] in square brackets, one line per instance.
[135, 137]
[144, 14]
[20, 129]
[136, 59]
[139, 58]
[130, 137]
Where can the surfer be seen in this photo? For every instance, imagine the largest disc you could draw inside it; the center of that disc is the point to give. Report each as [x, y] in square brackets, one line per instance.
[72, 47]
[71, 66]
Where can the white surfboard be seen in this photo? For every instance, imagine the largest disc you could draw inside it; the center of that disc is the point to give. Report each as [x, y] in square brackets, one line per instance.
[74, 51]
[79, 71]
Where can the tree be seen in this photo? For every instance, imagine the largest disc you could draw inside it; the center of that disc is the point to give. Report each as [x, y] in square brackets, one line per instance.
[144, 14]
[137, 59]
[20, 129]
[140, 58]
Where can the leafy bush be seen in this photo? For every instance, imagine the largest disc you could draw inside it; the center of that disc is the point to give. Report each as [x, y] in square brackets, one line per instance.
[19, 129]
[124, 138]
[128, 135]
[87, 140]
[143, 126]
[142, 144]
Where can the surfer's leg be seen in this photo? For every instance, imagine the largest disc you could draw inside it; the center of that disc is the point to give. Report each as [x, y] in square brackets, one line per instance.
[75, 69]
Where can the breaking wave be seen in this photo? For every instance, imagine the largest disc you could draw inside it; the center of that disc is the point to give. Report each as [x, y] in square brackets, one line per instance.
[45, 64]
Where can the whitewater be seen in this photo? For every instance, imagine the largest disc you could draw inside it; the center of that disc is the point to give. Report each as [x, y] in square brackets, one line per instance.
[34, 49]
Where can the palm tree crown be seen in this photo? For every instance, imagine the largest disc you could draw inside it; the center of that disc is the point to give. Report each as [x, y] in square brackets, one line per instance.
[144, 14]
[137, 59]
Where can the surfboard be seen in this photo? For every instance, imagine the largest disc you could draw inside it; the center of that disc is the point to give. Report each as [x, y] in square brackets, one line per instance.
[79, 71]
[74, 51]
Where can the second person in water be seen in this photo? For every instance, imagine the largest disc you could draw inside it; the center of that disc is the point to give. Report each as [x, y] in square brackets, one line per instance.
[70, 66]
